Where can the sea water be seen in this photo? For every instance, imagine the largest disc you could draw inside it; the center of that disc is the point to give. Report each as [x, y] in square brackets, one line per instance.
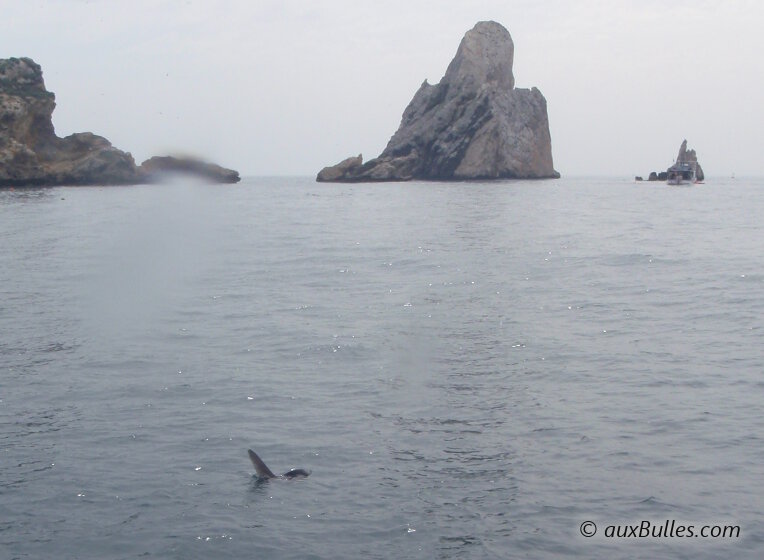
[468, 370]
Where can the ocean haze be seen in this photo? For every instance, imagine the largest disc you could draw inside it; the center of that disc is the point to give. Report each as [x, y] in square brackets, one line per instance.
[469, 370]
[286, 88]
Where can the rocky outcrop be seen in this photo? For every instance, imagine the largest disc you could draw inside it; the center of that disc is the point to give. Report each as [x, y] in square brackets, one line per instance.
[684, 156]
[689, 156]
[347, 167]
[474, 124]
[158, 167]
[30, 151]
[32, 155]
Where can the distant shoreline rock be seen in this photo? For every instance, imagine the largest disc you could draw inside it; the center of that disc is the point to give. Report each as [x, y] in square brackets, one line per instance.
[157, 168]
[473, 125]
[32, 155]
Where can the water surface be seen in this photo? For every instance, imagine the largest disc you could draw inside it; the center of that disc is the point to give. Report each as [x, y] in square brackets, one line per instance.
[468, 370]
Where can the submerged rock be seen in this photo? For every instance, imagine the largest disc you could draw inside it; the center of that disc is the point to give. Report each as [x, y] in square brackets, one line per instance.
[31, 154]
[156, 168]
[474, 124]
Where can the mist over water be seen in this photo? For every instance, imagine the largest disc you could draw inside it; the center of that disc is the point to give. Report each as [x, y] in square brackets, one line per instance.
[468, 370]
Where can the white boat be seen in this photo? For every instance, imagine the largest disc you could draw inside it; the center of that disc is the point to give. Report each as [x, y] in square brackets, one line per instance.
[683, 172]
[686, 169]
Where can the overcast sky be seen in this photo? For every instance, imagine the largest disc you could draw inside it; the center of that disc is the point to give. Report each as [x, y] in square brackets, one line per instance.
[285, 87]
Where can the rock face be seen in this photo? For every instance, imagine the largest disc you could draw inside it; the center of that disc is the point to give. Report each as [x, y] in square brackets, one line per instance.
[30, 151]
[345, 168]
[157, 167]
[684, 156]
[32, 155]
[474, 124]
[689, 156]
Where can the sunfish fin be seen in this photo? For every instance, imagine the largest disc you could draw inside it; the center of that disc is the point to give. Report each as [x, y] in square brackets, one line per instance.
[262, 469]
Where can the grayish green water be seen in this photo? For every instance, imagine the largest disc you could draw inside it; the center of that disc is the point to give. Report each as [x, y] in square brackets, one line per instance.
[468, 370]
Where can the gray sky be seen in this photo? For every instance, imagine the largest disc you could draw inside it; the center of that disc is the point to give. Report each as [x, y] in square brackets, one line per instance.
[288, 86]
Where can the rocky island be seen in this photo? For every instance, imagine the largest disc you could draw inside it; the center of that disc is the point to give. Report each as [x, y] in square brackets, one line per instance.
[32, 155]
[473, 125]
[686, 161]
[156, 168]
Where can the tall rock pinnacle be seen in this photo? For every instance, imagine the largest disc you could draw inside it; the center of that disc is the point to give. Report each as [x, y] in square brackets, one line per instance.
[485, 55]
[472, 125]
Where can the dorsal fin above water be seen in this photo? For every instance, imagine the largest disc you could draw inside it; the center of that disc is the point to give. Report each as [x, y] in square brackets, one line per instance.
[262, 469]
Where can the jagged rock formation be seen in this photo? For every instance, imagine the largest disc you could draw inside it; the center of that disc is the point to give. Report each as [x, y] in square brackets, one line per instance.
[474, 124]
[157, 167]
[30, 151]
[684, 156]
[689, 156]
[32, 155]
